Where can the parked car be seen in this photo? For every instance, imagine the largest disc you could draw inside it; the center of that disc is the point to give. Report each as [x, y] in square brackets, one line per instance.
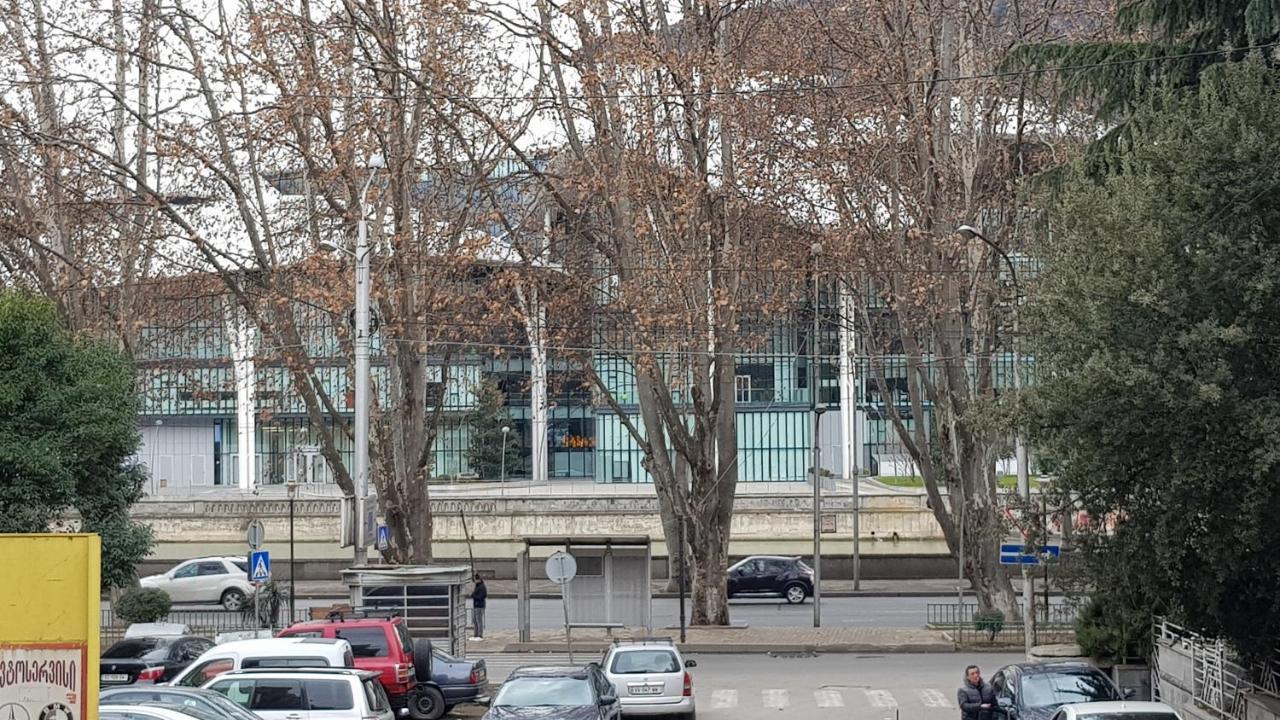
[321, 694]
[209, 580]
[382, 644]
[1126, 710]
[650, 677]
[149, 659]
[774, 575]
[563, 693]
[1033, 691]
[461, 681]
[266, 653]
[155, 712]
[181, 698]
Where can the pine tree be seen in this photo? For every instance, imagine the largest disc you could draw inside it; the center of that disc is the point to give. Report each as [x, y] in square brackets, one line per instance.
[488, 442]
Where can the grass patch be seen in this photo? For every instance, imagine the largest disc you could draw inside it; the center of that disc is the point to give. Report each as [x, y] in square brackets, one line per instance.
[1004, 482]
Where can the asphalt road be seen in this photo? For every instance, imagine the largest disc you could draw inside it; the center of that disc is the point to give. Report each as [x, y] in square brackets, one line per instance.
[849, 687]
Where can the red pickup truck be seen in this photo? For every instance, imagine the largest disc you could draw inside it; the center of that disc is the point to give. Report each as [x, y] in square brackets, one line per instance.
[383, 645]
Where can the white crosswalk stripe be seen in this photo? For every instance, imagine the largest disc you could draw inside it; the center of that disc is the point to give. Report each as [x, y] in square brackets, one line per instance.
[724, 699]
[933, 698]
[776, 699]
[881, 698]
[828, 698]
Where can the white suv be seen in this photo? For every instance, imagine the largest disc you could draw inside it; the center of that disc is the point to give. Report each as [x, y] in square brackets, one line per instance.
[650, 677]
[221, 580]
[318, 694]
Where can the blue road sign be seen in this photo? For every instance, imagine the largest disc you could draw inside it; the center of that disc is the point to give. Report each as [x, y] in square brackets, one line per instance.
[260, 566]
[1012, 554]
[384, 538]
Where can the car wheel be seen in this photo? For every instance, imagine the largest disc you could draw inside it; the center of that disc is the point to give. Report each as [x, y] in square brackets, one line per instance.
[795, 593]
[426, 703]
[232, 599]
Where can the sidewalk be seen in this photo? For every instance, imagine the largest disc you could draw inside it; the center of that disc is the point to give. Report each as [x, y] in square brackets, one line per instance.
[545, 589]
[735, 640]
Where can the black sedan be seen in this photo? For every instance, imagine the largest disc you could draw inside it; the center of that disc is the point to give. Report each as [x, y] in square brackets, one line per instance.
[149, 659]
[1033, 691]
[556, 693]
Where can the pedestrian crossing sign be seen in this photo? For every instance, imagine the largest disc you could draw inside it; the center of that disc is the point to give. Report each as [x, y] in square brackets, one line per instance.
[260, 566]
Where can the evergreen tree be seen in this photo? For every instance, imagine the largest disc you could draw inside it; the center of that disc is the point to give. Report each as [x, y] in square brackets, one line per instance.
[488, 442]
[68, 432]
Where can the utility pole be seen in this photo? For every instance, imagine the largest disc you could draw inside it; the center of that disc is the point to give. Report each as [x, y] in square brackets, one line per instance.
[362, 366]
[816, 450]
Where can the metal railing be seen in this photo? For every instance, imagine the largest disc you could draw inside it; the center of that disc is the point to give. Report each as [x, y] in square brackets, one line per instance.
[205, 623]
[947, 615]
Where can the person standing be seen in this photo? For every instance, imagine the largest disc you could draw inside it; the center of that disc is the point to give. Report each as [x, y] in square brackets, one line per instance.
[479, 597]
[975, 697]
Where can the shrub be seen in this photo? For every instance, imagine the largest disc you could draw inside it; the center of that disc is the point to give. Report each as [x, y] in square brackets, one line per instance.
[271, 597]
[989, 621]
[143, 605]
[1109, 633]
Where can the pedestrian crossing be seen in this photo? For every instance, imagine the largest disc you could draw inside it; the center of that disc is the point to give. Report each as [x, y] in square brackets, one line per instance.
[875, 703]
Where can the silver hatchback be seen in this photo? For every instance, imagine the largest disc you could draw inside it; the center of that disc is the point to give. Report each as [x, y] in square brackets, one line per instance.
[650, 677]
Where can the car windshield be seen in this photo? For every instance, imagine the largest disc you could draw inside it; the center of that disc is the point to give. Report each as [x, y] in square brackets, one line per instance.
[207, 700]
[1053, 689]
[639, 662]
[545, 692]
[138, 649]
[1127, 716]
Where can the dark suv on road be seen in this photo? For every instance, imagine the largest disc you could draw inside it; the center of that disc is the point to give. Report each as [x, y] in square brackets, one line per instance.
[775, 575]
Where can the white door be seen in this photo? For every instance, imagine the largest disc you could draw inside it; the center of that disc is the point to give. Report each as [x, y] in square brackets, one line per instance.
[184, 583]
[210, 576]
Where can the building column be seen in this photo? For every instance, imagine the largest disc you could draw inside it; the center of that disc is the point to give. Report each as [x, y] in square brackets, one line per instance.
[850, 417]
[242, 337]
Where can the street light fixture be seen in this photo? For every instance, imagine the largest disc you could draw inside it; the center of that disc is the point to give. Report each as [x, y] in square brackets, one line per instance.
[503, 477]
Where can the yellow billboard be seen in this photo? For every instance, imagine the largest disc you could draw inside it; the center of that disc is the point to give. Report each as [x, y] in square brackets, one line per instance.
[49, 635]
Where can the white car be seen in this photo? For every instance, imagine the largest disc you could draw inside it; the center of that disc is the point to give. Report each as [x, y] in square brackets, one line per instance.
[330, 694]
[650, 677]
[220, 580]
[1122, 710]
[152, 712]
[267, 653]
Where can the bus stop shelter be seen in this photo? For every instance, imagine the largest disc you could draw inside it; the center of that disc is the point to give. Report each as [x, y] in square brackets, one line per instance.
[430, 598]
[612, 588]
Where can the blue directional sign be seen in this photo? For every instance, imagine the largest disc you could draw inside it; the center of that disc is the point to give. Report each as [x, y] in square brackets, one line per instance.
[1012, 554]
[260, 566]
[384, 538]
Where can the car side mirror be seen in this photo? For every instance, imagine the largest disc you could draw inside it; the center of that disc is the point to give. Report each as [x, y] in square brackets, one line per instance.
[1129, 693]
[1004, 703]
[691, 663]
[484, 701]
[608, 699]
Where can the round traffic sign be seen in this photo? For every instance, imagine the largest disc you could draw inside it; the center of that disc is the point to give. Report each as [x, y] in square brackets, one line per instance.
[561, 567]
[255, 534]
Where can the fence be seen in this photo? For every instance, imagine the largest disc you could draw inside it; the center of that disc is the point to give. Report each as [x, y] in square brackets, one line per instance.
[1200, 677]
[1054, 624]
[205, 623]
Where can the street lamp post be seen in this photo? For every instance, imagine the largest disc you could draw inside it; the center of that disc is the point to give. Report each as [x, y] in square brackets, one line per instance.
[361, 343]
[292, 487]
[503, 464]
[1019, 442]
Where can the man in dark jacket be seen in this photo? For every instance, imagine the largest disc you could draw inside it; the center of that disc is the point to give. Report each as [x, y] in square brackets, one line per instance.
[975, 697]
[478, 601]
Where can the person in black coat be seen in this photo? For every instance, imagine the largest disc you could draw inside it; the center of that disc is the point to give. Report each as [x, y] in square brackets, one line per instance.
[478, 602]
[976, 697]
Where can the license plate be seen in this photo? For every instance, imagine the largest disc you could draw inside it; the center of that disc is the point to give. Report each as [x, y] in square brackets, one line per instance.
[645, 689]
[115, 678]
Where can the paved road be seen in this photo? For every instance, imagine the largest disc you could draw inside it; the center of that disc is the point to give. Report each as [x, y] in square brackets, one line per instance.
[849, 687]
